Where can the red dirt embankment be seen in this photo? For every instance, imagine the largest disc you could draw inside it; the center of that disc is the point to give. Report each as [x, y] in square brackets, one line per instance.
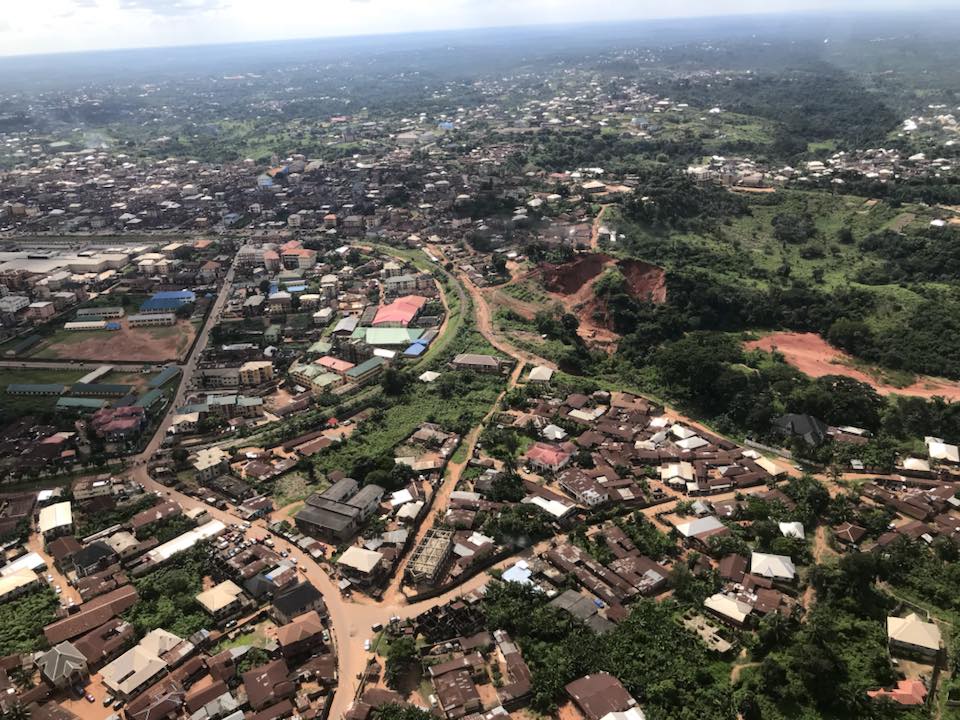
[814, 356]
[570, 277]
[571, 284]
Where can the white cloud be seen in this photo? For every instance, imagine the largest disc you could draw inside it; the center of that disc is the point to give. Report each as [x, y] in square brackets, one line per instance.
[65, 25]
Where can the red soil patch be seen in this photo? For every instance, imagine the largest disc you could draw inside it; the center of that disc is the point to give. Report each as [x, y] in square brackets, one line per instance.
[814, 356]
[646, 281]
[571, 284]
[568, 278]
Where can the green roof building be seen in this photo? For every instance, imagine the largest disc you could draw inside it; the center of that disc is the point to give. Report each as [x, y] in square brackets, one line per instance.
[367, 370]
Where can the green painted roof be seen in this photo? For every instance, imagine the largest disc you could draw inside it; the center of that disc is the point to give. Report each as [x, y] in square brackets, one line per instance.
[392, 336]
[149, 399]
[35, 389]
[365, 367]
[75, 402]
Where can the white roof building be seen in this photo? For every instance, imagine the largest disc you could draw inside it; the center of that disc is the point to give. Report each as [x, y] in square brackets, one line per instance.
[54, 517]
[911, 630]
[541, 373]
[728, 607]
[699, 526]
[939, 450]
[792, 530]
[187, 540]
[360, 559]
[772, 566]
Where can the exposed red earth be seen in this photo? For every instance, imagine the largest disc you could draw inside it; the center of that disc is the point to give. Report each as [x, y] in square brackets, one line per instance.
[572, 285]
[814, 356]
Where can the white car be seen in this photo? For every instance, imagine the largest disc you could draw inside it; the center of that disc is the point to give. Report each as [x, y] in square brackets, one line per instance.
[367, 644]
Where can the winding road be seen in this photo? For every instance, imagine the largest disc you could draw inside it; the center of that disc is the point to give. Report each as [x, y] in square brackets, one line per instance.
[351, 620]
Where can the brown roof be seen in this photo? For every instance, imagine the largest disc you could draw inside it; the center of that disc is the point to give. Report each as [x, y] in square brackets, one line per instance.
[63, 547]
[197, 698]
[599, 694]
[92, 614]
[267, 684]
[281, 709]
[302, 627]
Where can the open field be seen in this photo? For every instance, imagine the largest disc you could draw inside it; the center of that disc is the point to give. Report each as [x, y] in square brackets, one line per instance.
[814, 356]
[146, 344]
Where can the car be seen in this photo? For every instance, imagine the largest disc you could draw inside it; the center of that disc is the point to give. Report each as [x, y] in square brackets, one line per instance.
[57, 590]
[108, 700]
[118, 704]
[49, 578]
[90, 698]
[230, 624]
[294, 560]
[367, 644]
[377, 627]
[268, 542]
[326, 636]
[284, 553]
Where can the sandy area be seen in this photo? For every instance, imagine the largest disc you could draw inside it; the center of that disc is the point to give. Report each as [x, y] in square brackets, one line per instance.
[143, 344]
[814, 356]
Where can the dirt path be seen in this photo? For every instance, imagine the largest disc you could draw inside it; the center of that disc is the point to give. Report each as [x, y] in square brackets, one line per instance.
[597, 222]
[814, 356]
[454, 472]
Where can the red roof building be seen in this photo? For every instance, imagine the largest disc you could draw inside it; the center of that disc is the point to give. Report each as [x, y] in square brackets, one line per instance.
[401, 312]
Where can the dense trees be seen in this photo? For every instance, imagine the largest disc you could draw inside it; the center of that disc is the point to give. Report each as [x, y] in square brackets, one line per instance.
[662, 665]
[22, 621]
[401, 657]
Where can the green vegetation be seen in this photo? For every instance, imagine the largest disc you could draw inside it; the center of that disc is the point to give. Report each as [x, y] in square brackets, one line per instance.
[661, 665]
[95, 522]
[168, 595]
[457, 402]
[22, 621]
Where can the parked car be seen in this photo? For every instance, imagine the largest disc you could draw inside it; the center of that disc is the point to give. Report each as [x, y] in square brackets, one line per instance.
[367, 644]
[90, 698]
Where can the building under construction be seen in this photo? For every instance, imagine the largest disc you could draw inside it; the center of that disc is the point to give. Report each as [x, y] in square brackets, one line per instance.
[429, 559]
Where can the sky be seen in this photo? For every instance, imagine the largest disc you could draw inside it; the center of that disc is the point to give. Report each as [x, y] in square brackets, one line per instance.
[49, 26]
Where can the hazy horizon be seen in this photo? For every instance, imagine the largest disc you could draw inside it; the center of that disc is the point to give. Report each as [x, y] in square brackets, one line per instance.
[64, 26]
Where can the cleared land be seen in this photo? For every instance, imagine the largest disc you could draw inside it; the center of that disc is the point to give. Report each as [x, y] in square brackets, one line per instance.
[142, 344]
[814, 356]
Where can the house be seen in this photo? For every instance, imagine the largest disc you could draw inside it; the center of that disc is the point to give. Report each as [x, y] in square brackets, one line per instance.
[541, 373]
[848, 533]
[548, 457]
[222, 601]
[63, 666]
[268, 684]
[295, 601]
[93, 558]
[55, 520]
[400, 313]
[806, 427]
[361, 566]
[906, 692]
[301, 636]
[336, 513]
[599, 694]
[776, 567]
[729, 609]
[911, 637]
[477, 363]
[128, 675]
[366, 371]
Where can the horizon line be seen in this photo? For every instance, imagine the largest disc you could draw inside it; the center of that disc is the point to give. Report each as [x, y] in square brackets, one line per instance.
[760, 14]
